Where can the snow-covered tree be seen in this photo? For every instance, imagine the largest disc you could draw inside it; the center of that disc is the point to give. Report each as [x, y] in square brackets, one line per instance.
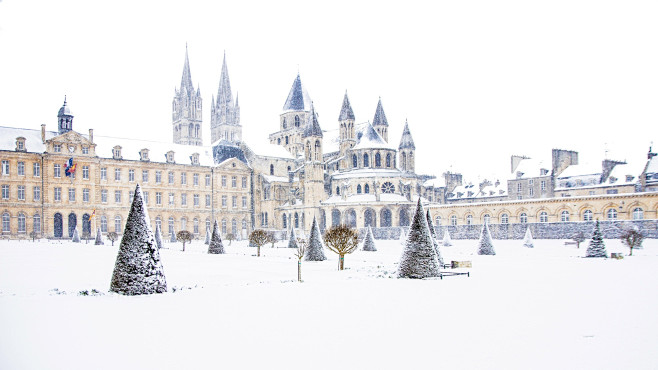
[112, 236]
[230, 237]
[158, 236]
[528, 241]
[184, 237]
[632, 237]
[486, 244]
[419, 259]
[403, 237]
[208, 235]
[596, 245]
[99, 237]
[292, 243]
[172, 237]
[447, 241]
[314, 250]
[216, 246]
[76, 237]
[578, 237]
[431, 225]
[369, 241]
[257, 238]
[138, 269]
[341, 240]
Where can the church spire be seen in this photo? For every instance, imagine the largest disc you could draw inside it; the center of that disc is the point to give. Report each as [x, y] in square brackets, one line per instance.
[346, 111]
[380, 123]
[313, 126]
[186, 81]
[406, 142]
[224, 95]
[186, 114]
[225, 113]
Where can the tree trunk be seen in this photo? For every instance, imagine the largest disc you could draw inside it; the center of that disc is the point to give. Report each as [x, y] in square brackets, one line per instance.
[341, 262]
[259, 251]
[631, 250]
[299, 270]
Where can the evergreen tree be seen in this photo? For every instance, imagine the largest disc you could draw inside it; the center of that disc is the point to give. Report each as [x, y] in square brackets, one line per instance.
[486, 245]
[158, 236]
[173, 238]
[596, 245]
[435, 240]
[99, 237]
[292, 243]
[216, 246]
[431, 225]
[527, 240]
[76, 237]
[138, 269]
[403, 237]
[208, 235]
[369, 242]
[314, 250]
[447, 241]
[419, 259]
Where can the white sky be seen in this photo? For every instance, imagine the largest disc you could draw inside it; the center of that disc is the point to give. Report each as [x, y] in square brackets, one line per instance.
[477, 80]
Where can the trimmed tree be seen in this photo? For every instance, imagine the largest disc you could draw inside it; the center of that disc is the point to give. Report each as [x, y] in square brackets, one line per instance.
[403, 237]
[138, 269]
[578, 237]
[596, 246]
[486, 244]
[184, 237]
[258, 238]
[447, 241]
[208, 236]
[341, 240]
[99, 237]
[271, 238]
[172, 237]
[158, 236]
[314, 250]
[632, 238]
[292, 243]
[419, 259]
[369, 241]
[431, 225]
[112, 236]
[216, 246]
[230, 237]
[528, 241]
[76, 237]
[34, 235]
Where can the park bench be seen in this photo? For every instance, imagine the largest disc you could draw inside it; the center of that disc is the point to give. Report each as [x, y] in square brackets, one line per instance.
[570, 243]
[453, 265]
[617, 256]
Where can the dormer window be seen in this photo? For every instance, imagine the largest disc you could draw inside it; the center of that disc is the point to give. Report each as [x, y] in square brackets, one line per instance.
[195, 159]
[116, 152]
[85, 150]
[629, 178]
[170, 156]
[20, 144]
[144, 155]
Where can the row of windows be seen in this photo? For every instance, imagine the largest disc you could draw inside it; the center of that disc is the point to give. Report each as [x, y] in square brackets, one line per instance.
[611, 215]
[57, 148]
[365, 159]
[20, 168]
[22, 223]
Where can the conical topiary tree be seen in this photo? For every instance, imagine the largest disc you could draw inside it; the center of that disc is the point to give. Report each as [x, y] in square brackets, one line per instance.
[596, 245]
[419, 259]
[158, 236]
[403, 237]
[292, 243]
[528, 242]
[369, 241]
[431, 225]
[138, 269]
[99, 237]
[208, 235]
[76, 237]
[314, 250]
[486, 245]
[173, 237]
[447, 241]
[216, 246]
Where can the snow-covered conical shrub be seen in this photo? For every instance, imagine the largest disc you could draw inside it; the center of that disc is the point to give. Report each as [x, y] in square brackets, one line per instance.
[528, 242]
[138, 269]
[172, 237]
[216, 246]
[369, 241]
[314, 250]
[292, 243]
[596, 246]
[447, 241]
[486, 245]
[419, 259]
[431, 225]
[208, 235]
[158, 236]
[99, 237]
[76, 237]
[403, 237]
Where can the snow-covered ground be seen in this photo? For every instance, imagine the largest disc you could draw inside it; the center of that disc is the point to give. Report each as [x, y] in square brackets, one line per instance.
[541, 308]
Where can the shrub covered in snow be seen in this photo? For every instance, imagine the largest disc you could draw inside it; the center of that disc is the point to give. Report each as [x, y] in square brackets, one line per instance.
[292, 243]
[158, 236]
[208, 235]
[430, 225]
[447, 241]
[419, 259]
[632, 237]
[216, 246]
[486, 244]
[528, 242]
[403, 237]
[369, 241]
[596, 246]
[76, 237]
[99, 237]
[314, 250]
[138, 269]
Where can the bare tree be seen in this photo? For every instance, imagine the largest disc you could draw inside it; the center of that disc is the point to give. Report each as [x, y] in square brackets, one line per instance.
[341, 240]
[578, 237]
[271, 238]
[34, 235]
[632, 238]
[184, 236]
[230, 237]
[299, 253]
[112, 236]
[258, 238]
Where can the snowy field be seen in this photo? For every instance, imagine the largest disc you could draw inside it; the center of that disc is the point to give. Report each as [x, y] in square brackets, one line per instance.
[541, 308]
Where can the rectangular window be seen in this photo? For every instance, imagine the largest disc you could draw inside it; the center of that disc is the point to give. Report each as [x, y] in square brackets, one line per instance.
[117, 174]
[158, 198]
[244, 182]
[531, 191]
[183, 199]
[36, 169]
[592, 192]
[171, 199]
[224, 200]
[196, 200]
[85, 172]
[234, 181]
[145, 176]
[5, 167]
[117, 196]
[195, 179]
[21, 192]
[57, 170]
[103, 196]
[131, 175]
[244, 202]
[37, 193]
[103, 173]
[543, 185]
[21, 168]
[146, 197]
[57, 194]
[158, 177]
[234, 202]
[224, 180]
[131, 196]
[85, 195]
[183, 178]
[85, 150]
[5, 192]
[518, 188]
[57, 148]
[171, 177]
[531, 182]
[207, 180]
[612, 191]
[71, 194]
[207, 200]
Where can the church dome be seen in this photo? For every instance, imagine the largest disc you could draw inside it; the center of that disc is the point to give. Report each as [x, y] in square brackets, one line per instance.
[64, 110]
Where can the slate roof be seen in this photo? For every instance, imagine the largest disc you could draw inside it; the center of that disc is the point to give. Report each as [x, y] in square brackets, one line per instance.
[406, 141]
[298, 99]
[346, 111]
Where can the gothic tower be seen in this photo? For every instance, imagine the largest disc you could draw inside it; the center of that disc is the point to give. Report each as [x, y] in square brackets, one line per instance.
[313, 170]
[186, 110]
[293, 119]
[347, 139]
[64, 119]
[407, 150]
[379, 123]
[225, 114]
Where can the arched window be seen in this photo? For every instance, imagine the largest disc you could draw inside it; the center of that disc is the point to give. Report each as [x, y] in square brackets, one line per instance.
[453, 220]
[385, 218]
[378, 160]
[588, 215]
[523, 218]
[207, 225]
[266, 221]
[170, 225]
[36, 223]
[158, 223]
[234, 226]
[278, 141]
[469, 220]
[638, 214]
[388, 160]
[104, 224]
[366, 160]
[317, 150]
[564, 216]
[285, 221]
[404, 161]
[244, 226]
[366, 189]
[6, 227]
[335, 217]
[21, 223]
[611, 214]
[223, 227]
[285, 125]
[57, 225]
[487, 218]
[337, 190]
[271, 169]
[117, 225]
[288, 168]
[369, 218]
[504, 218]
[296, 121]
[286, 140]
[183, 224]
[404, 217]
[191, 130]
[388, 188]
[296, 220]
[543, 217]
[350, 218]
[195, 226]
[358, 189]
[438, 221]
[355, 161]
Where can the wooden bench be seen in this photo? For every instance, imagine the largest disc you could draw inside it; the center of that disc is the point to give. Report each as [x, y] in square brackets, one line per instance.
[617, 256]
[461, 264]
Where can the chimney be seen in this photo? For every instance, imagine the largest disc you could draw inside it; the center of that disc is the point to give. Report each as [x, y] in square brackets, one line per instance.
[43, 133]
[91, 135]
